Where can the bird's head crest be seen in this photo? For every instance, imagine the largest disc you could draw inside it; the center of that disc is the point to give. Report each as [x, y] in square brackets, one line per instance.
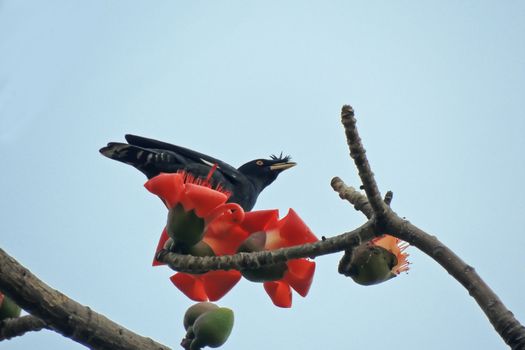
[280, 158]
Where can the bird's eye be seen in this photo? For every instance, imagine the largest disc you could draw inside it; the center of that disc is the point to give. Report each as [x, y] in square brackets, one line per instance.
[259, 162]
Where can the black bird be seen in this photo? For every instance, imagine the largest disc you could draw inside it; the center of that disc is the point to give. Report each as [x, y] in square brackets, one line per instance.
[152, 157]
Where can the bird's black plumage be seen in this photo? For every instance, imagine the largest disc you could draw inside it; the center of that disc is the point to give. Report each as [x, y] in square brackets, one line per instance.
[153, 157]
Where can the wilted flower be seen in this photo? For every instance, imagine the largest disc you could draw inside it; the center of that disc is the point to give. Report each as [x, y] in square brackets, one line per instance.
[376, 261]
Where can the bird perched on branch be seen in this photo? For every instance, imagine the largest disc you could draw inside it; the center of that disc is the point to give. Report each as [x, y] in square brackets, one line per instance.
[153, 157]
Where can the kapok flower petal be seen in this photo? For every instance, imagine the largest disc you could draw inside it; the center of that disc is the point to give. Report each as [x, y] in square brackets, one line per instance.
[169, 187]
[292, 231]
[202, 199]
[218, 283]
[162, 241]
[386, 241]
[224, 237]
[227, 212]
[396, 247]
[190, 285]
[259, 220]
[300, 275]
[279, 292]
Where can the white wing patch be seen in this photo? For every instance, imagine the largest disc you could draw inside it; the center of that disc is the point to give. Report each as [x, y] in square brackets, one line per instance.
[208, 163]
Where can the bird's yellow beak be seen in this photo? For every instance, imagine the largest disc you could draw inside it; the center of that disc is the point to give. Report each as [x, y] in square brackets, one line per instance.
[282, 166]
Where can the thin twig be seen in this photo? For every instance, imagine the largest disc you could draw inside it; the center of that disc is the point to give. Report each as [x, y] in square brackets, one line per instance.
[358, 154]
[353, 196]
[18, 326]
[65, 315]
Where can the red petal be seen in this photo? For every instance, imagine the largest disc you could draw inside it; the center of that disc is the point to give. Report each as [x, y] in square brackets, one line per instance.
[218, 283]
[202, 199]
[190, 285]
[279, 292]
[259, 220]
[224, 237]
[228, 213]
[169, 187]
[386, 241]
[300, 275]
[163, 238]
[294, 231]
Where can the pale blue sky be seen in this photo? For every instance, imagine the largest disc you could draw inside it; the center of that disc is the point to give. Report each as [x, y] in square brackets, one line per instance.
[438, 87]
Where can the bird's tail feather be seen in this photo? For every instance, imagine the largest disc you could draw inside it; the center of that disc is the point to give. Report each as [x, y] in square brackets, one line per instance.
[125, 153]
[138, 157]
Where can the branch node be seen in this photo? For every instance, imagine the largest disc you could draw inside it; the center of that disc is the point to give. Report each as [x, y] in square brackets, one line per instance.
[388, 197]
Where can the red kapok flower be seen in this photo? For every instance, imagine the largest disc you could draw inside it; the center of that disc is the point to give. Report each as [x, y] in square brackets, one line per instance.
[200, 222]
[197, 208]
[195, 198]
[376, 261]
[271, 233]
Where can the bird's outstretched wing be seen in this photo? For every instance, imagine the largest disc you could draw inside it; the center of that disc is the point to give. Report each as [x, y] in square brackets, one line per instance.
[197, 157]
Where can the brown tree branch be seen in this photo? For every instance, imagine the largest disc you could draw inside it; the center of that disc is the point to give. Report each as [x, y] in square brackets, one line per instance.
[65, 315]
[356, 198]
[18, 326]
[243, 261]
[358, 154]
[353, 196]
[508, 327]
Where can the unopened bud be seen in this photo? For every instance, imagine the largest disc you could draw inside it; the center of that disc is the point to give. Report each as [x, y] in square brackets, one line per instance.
[195, 311]
[184, 227]
[212, 328]
[8, 308]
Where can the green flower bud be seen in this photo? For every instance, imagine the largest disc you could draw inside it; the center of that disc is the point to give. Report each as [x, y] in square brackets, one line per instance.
[8, 308]
[201, 249]
[195, 311]
[255, 243]
[184, 227]
[212, 328]
[265, 273]
[371, 264]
